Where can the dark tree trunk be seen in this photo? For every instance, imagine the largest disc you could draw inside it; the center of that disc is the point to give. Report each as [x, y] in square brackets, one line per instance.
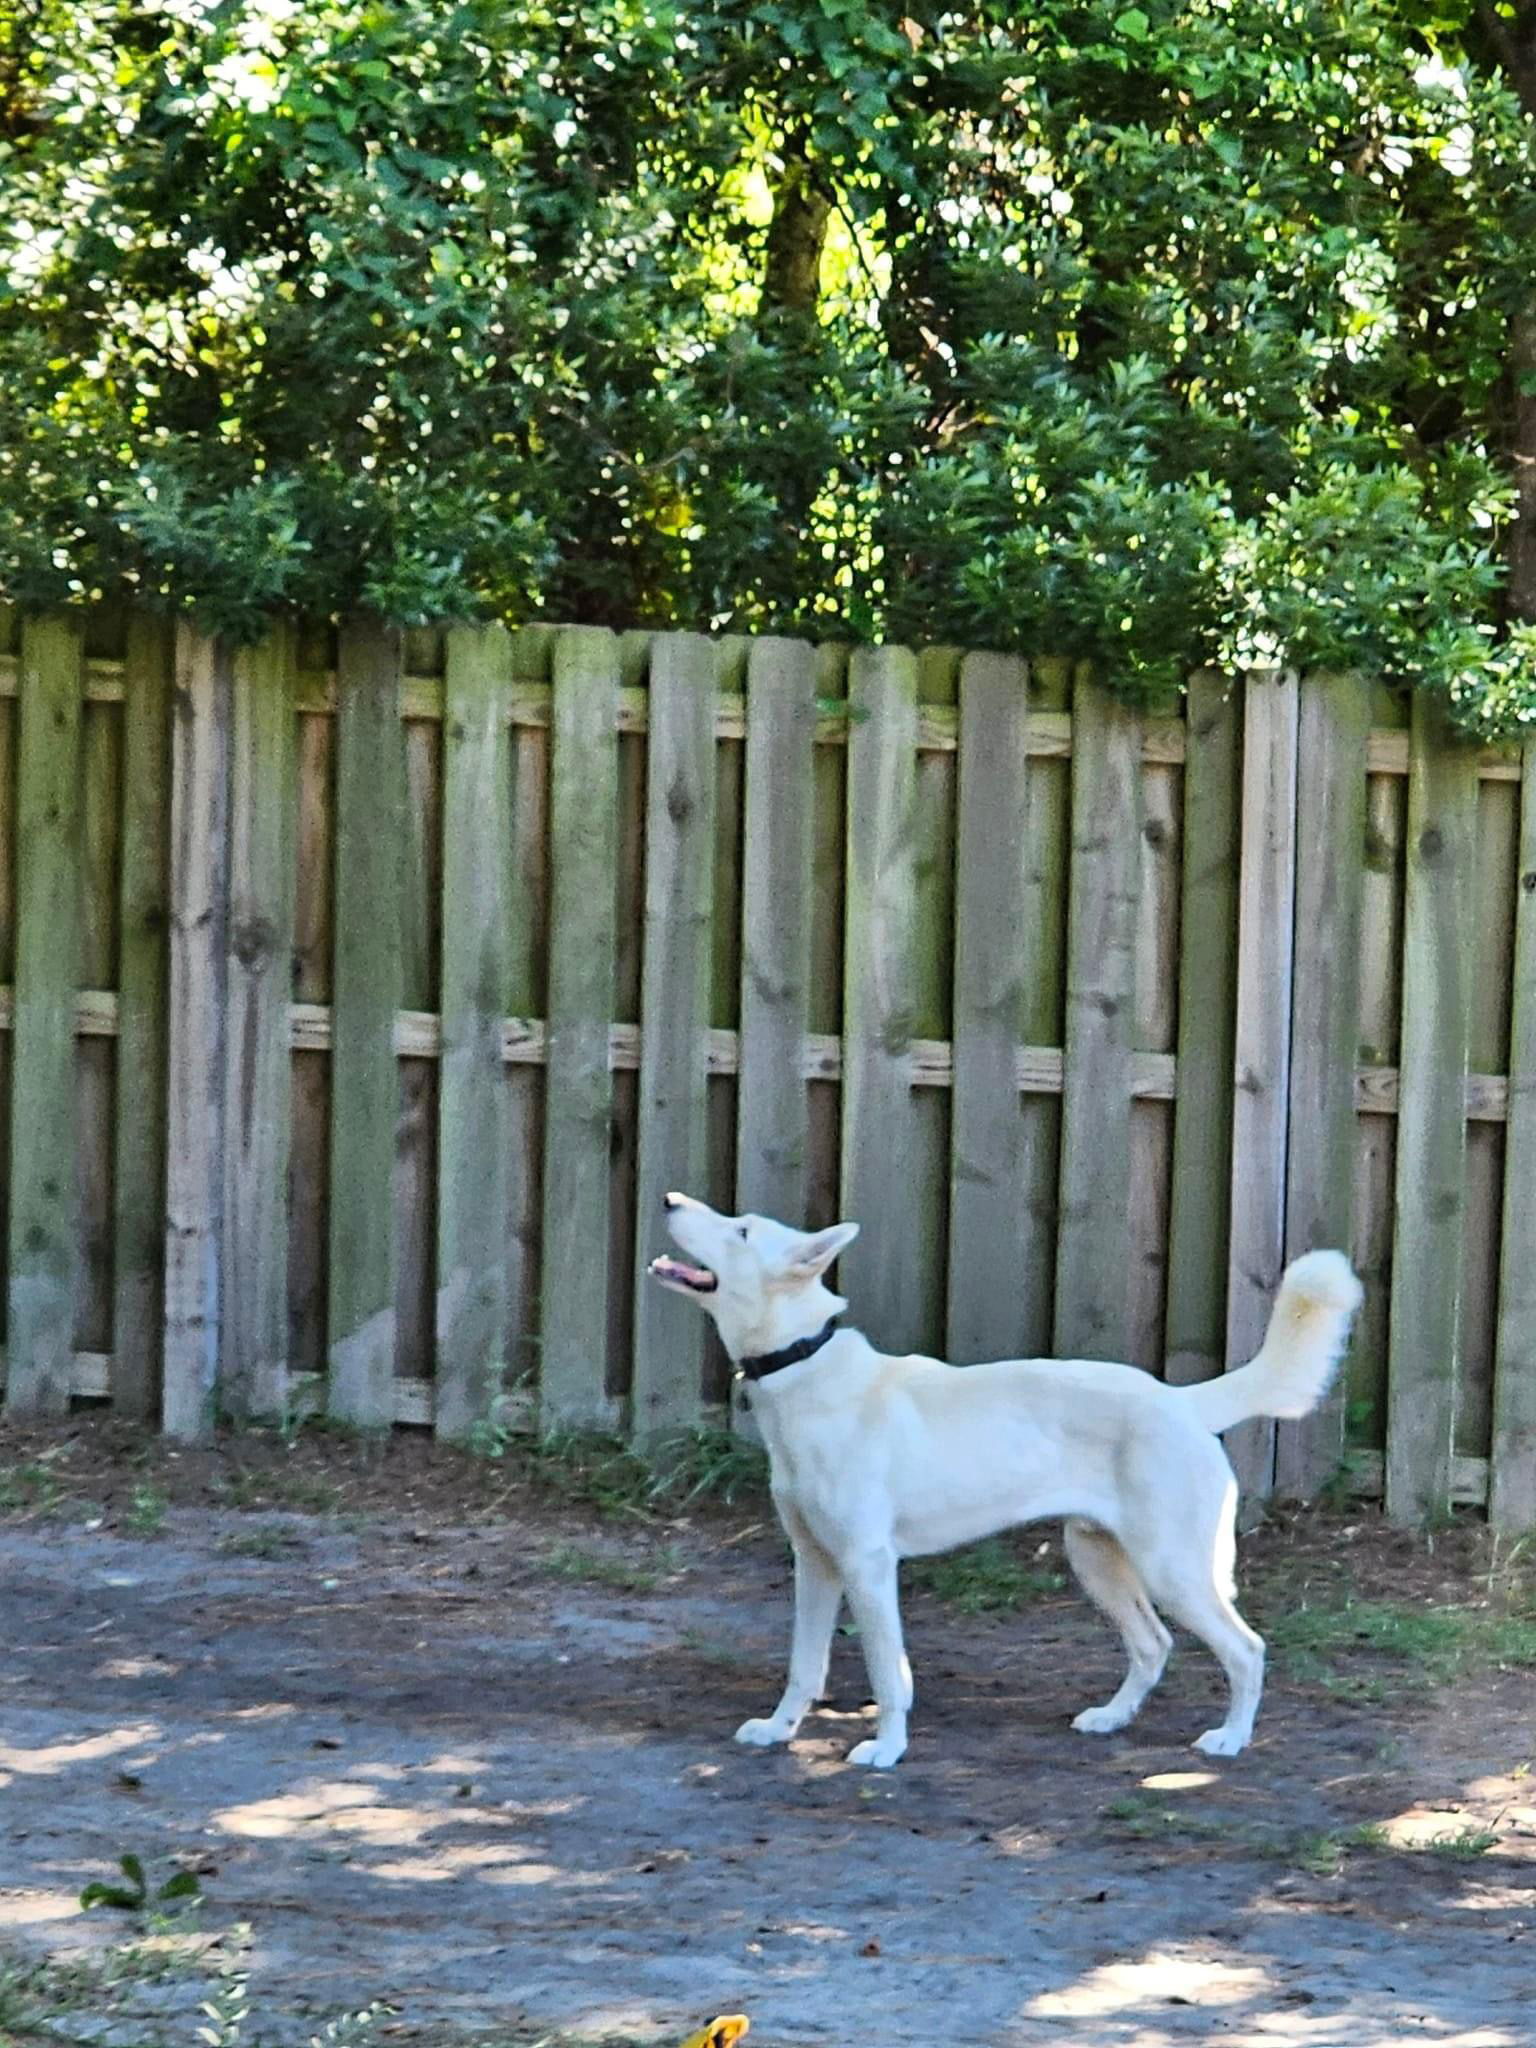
[796, 237]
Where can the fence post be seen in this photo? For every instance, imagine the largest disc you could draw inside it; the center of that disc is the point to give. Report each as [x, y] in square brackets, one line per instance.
[1261, 1059]
[195, 1091]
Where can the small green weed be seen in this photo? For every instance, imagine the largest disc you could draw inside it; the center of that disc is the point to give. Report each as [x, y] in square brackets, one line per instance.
[31, 1489]
[146, 1511]
[985, 1578]
[133, 1894]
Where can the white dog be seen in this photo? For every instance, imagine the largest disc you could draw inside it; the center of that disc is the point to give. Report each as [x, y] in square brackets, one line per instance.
[875, 1459]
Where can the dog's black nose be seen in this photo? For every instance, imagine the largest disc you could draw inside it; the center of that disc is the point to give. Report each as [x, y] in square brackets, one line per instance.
[671, 1201]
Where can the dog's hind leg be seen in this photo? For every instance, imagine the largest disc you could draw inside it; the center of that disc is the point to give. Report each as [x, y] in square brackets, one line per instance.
[1112, 1582]
[1191, 1584]
[818, 1595]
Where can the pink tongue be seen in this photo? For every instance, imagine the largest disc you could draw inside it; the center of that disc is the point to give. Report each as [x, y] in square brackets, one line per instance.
[693, 1274]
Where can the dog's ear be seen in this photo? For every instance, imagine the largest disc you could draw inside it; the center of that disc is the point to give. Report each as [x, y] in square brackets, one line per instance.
[810, 1257]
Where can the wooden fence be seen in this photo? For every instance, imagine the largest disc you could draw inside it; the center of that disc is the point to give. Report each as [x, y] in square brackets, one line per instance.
[363, 993]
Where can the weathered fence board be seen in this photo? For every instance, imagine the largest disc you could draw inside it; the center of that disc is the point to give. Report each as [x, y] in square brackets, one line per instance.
[1334, 726]
[44, 1243]
[1092, 1298]
[143, 916]
[367, 971]
[1430, 1194]
[1262, 1043]
[471, 1279]
[877, 1187]
[1512, 1489]
[674, 1015]
[196, 1006]
[991, 1224]
[772, 1108]
[583, 839]
[262, 805]
[1196, 1317]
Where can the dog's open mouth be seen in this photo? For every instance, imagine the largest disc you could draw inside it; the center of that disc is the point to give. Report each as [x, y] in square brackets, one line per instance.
[675, 1273]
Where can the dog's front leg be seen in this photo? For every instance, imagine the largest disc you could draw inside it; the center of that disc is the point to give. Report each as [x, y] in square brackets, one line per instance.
[870, 1582]
[818, 1595]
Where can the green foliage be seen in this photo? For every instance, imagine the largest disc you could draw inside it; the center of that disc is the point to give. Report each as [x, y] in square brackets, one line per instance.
[985, 1578]
[1152, 334]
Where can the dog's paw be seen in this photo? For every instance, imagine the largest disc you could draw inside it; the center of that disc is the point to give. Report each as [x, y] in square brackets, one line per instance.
[1100, 1721]
[877, 1755]
[763, 1734]
[1221, 1742]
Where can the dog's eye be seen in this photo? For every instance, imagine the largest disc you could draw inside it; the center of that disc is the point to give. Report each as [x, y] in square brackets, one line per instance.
[741, 1230]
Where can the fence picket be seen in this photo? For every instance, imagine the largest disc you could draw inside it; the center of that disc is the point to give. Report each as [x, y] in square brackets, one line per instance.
[1512, 1485]
[43, 1248]
[143, 913]
[262, 823]
[1092, 1298]
[674, 1015]
[583, 847]
[196, 1007]
[1261, 1043]
[471, 1304]
[992, 1229]
[772, 1109]
[877, 1186]
[1195, 1320]
[1430, 1194]
[1334, 726]
[365, 1086]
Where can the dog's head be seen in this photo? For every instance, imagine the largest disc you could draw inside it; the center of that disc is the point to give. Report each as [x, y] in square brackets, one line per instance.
[760, 1280]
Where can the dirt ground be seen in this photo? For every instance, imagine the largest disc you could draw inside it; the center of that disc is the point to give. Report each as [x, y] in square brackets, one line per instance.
[429, 1736]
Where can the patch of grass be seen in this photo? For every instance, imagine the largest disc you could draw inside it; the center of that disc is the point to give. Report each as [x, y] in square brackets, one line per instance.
[1324, 1851]
[984, 1578]
[711, 1650]
[259, 1543]
[1147, 1819]
[618, 1481]
[309, 1493]
[1361, 1649]
[1464, 1846]
[594, 1568]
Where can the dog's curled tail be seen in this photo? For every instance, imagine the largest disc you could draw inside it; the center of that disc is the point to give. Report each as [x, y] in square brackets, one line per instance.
[1308, 1329]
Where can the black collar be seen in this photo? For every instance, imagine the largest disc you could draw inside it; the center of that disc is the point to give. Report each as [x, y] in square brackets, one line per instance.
[775, 1361]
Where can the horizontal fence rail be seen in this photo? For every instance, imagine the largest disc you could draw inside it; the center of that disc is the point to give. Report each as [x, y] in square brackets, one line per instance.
[358, 992]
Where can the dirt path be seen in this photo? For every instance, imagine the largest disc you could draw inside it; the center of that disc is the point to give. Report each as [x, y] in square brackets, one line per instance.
[450, 1771]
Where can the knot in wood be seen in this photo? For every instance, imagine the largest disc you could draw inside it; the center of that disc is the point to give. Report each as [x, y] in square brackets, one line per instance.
[252, 939]
[1431, 843]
